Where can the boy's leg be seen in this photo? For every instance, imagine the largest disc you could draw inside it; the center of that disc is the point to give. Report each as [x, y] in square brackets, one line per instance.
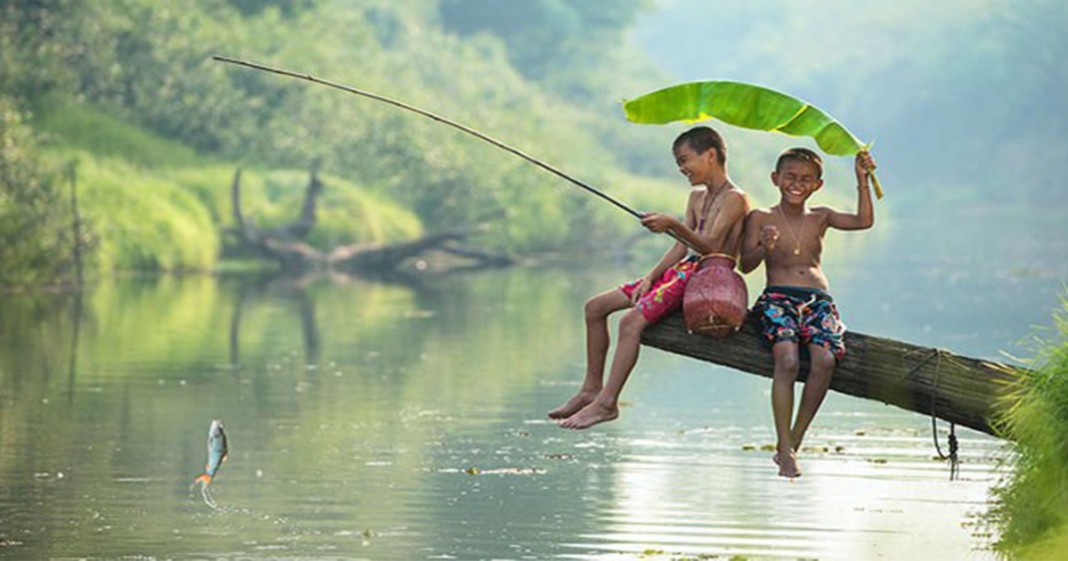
[821, 367]
[782, 405]
[597, 311]
[605, 406]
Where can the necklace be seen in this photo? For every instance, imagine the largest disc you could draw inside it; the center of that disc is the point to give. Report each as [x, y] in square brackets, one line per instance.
[796, 237]
[706, 205]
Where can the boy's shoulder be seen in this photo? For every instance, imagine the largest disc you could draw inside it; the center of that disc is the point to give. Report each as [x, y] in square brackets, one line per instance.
[821, 212]
[760, 213]
[736, 192]
[736, 196]
[820, 209]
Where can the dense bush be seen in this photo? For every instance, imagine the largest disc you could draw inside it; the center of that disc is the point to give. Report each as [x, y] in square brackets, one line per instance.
[35, 221]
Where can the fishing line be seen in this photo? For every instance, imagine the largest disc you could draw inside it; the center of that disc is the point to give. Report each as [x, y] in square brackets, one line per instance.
[445, 121]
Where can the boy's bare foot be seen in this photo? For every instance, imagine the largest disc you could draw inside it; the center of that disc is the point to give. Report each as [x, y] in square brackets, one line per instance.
[787, 462]
[590, 415]
[573, 405]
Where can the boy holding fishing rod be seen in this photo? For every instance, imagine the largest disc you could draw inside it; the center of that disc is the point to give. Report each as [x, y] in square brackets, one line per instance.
[795, 308]
[715, 213]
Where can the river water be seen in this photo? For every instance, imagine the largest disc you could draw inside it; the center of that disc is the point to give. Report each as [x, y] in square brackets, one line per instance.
[375, 420]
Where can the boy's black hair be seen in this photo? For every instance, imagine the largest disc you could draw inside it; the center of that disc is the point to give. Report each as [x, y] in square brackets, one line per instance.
[701, 139]
[801, 155]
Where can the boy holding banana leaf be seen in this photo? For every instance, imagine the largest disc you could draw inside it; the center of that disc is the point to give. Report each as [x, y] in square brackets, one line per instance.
[715, 213]
[795, 308]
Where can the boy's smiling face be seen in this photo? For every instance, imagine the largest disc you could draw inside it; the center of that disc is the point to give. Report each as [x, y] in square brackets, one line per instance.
[696, 167]
[797, 180]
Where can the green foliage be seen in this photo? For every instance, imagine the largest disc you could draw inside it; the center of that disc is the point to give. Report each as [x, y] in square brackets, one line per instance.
[346, 213]
[70, 124]
[1033, 500]
[140, 220]
[132, 83]
[742, 105]
[172, 219]
[35, 221]
[746, 106]
[161, 77]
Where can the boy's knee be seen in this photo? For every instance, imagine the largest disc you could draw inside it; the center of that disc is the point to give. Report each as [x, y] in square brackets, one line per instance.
[632, 323]
[787, 363]
[822, 363]
[595, 308]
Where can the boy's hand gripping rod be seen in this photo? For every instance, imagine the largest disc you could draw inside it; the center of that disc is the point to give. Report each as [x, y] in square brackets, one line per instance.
[451, 123]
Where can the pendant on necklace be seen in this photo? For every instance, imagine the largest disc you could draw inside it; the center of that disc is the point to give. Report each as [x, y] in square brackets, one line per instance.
[797, 251]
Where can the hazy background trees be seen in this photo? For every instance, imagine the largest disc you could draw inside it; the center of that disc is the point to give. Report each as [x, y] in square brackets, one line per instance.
[964, 99]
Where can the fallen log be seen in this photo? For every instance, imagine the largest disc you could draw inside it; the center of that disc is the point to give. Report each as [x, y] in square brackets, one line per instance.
[962, 390]
[286, 246]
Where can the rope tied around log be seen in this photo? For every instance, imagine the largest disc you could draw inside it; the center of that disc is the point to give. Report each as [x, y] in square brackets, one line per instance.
[954, 446]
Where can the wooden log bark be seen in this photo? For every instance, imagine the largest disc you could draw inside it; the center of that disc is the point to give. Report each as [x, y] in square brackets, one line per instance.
[390, 255]
[285, 245]
[963, 390]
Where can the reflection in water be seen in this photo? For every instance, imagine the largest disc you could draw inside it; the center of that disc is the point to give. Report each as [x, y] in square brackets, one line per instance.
[379, 421]
[75, 329]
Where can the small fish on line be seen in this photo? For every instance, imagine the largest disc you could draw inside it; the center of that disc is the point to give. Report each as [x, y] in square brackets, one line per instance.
[217, 453]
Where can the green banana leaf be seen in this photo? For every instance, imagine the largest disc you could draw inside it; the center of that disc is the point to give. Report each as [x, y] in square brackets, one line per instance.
[746, 106]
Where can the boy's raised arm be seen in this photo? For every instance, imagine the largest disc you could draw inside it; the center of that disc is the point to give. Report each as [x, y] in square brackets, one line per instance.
[865, 215]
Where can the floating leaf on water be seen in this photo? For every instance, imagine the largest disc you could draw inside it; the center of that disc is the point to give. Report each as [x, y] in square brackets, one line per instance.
[513, 471]
[472, 471]
[767, 448]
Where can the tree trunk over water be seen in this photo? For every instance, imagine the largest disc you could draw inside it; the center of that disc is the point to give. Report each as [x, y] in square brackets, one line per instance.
[286, 245]
[966, 391]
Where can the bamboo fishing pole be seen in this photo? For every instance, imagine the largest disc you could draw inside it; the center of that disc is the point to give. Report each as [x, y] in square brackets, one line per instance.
[445, 121]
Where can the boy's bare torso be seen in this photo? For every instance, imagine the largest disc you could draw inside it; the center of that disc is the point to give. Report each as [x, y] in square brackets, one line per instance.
[722, 238]
[795, 258]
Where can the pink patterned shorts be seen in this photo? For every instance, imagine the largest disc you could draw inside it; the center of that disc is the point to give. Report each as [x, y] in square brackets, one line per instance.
[666, 294]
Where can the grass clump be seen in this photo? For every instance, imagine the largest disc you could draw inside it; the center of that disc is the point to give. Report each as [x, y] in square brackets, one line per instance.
[1032, 509]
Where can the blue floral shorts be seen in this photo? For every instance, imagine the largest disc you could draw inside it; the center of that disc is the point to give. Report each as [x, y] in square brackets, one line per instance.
[802, 315]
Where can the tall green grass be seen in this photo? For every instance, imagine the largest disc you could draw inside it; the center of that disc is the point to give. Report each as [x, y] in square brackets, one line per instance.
[153, 204]
[1032, 509]
[69, 124]
[138, 219]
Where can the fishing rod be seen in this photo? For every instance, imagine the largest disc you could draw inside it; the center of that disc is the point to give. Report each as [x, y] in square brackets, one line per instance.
[445, 121]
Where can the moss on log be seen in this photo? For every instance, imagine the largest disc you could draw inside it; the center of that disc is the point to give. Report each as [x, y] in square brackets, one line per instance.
[959, 389]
